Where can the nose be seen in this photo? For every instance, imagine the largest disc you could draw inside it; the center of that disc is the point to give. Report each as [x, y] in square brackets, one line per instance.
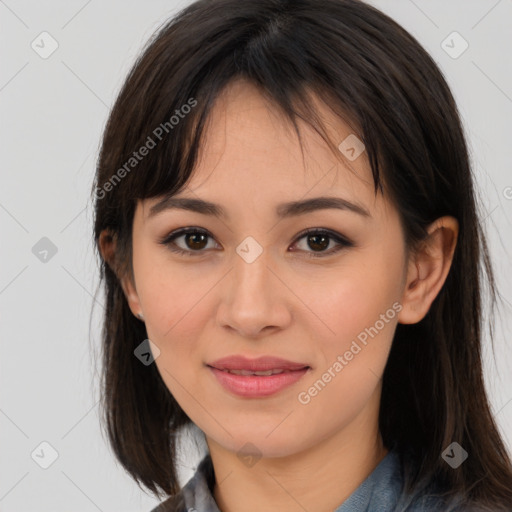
[254, 301]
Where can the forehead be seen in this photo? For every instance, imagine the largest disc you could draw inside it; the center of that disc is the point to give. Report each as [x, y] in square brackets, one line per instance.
[248, 132]
[251, 155]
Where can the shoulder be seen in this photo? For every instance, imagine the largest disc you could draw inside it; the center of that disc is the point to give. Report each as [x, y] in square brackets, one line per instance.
[436, 503]
[196, 495]
[172, 504]
[430, 496]
[385, 491]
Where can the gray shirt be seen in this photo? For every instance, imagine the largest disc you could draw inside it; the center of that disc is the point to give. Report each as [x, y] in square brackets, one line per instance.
[381, 491]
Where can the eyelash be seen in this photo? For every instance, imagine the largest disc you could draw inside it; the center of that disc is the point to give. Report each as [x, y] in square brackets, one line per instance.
[343, 242]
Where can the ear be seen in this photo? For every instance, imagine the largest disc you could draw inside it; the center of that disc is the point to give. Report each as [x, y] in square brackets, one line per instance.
[108, 243]
[428, 268]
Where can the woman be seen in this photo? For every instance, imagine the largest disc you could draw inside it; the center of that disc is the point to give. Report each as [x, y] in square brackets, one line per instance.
[285, 208]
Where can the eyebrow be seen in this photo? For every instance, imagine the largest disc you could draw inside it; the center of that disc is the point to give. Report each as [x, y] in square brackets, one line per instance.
[283, 210]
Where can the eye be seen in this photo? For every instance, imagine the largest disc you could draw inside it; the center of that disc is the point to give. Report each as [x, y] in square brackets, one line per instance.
[319, 240]
[196, 239]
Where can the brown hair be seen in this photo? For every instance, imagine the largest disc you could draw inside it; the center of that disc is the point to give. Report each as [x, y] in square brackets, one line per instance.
[367, 67]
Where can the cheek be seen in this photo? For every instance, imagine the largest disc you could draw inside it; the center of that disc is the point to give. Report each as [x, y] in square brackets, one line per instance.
[362, 313]
[353, 299]
[175, 307]
[360, 307]
[173, 296]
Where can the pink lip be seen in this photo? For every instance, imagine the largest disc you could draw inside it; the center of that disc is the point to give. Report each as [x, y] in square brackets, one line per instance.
[263, 363]
[256, 385]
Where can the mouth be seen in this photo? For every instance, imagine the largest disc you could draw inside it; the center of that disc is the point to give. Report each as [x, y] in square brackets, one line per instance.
[264, 365]
[257, 377]
[264, 373]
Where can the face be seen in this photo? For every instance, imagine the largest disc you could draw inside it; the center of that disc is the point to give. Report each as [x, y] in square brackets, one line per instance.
[252, 283]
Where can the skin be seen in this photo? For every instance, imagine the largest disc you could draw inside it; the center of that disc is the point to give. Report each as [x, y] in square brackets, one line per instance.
[200, 308]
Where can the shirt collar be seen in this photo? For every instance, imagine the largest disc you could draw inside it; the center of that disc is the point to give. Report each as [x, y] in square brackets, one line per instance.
[381, 491]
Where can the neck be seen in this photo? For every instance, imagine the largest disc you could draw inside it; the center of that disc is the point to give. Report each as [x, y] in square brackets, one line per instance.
[319, 478]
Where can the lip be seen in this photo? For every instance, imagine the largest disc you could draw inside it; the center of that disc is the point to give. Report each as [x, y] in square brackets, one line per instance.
[254, 386]
[263, 363]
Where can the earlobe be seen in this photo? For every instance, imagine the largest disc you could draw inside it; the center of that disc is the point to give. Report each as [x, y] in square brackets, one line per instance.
[428, 268]
[131, 296]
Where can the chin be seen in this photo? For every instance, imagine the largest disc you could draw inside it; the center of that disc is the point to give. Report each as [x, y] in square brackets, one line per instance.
[259, 446]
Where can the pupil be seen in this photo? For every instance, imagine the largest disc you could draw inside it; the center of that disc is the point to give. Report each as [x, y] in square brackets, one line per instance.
[194, 245]
[319, 245]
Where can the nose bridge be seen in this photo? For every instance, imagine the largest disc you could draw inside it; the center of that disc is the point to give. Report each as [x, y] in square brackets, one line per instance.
[251, 301]
[252, 277]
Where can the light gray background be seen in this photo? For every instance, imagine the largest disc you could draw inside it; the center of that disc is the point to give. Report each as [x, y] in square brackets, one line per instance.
[52, 114]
